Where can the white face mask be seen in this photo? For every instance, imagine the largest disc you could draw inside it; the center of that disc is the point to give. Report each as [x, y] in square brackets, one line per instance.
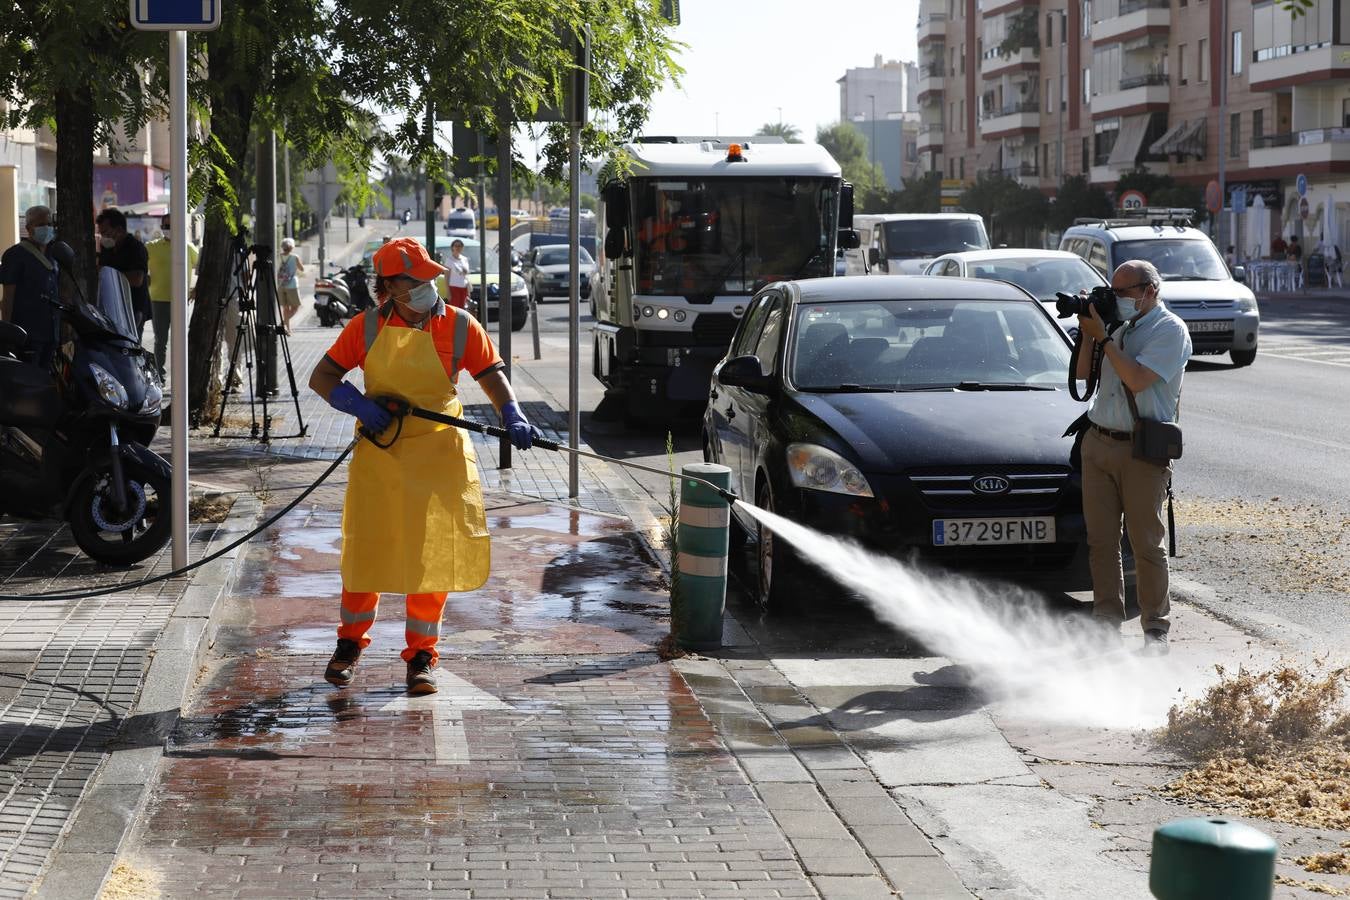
[422, 298]
[107, 242]
[42, 234]
[1126, 309]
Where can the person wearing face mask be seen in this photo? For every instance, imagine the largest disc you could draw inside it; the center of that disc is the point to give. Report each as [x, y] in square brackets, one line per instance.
[125, 253]
[30, 281]
[413, 520]
[1145, 357]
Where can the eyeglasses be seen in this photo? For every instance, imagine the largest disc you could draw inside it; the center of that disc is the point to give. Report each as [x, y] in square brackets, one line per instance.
[1141, 284]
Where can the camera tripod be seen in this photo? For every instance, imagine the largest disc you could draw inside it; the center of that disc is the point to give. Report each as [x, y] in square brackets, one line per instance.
[253, 282]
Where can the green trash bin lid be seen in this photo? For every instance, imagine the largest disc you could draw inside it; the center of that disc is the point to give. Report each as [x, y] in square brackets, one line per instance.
[1211, 859]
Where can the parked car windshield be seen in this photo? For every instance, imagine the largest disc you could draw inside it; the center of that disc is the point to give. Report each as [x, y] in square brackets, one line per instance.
[699, 237]
[1042, 278]
[1176, 259]
[454, 221]
[922, 238]
[925, 344]
[557, 256]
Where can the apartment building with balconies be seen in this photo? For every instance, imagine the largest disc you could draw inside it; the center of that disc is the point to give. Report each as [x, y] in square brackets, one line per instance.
[1115, 85]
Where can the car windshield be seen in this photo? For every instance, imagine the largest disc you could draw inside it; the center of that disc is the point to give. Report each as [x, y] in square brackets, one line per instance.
[1177, 259]
[703, 237]
[923, 238]
[557, 256]
[926, 345]
[454, 221]
[1042, 278]
[493, 262]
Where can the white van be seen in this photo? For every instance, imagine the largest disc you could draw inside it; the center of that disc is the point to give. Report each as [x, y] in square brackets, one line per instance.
[905, 243]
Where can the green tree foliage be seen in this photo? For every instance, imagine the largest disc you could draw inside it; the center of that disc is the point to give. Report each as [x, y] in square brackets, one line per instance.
[1163, 190]
[1077, 198]
[1021, 33]
[77, 67]
[1013, 213]
[400, 177]
[789, 133]
[848, 146]
[920, 194]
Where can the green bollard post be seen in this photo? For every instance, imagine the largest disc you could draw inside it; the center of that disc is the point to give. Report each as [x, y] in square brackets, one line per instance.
[701, 567]
[1211, 859]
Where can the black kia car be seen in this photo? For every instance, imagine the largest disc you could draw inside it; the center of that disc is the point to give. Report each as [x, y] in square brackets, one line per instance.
[919, 416]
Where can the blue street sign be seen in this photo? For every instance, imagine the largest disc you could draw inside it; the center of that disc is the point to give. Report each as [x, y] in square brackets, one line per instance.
[1240, 200]
[175, 15]
[1301, 183]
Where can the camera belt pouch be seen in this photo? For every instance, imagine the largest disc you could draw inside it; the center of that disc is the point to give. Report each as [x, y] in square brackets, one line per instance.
[1156, 442]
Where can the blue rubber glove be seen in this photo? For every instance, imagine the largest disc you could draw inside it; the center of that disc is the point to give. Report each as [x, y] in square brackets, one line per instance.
[346, 398]
[521, 431]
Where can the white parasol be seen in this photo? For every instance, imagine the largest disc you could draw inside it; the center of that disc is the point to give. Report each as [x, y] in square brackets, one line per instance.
[1259, 236]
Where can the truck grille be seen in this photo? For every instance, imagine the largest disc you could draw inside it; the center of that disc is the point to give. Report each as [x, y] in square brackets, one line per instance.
[714, 328]
[1032, 488]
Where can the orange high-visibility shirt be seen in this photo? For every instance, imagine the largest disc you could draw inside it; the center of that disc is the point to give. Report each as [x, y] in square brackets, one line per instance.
[480, 356]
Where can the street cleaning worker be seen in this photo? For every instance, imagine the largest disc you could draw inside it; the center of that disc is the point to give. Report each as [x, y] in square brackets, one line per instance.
[413, 520]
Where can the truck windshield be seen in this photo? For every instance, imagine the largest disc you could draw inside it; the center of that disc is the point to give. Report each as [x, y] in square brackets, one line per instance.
[1177, 260]
[699, 238]
[925, 238]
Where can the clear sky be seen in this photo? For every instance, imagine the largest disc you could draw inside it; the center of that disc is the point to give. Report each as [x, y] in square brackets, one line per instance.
[747, 58]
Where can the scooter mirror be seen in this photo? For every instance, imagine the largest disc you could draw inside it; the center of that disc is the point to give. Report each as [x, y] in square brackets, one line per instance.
[62, 253]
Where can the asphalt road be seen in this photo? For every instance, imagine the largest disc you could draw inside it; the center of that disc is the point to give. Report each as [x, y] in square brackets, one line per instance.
[1263, 494]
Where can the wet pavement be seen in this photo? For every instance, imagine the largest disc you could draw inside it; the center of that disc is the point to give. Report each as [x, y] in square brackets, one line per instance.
[561, 757]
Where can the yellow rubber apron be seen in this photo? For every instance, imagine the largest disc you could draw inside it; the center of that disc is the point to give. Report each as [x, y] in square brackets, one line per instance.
[413, 521]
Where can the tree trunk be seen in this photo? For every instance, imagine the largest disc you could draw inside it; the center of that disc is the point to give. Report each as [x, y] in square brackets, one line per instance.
[209, 336]
[75, 181]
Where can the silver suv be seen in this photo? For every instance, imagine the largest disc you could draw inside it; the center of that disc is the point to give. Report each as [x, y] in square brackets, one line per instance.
[1220, 313]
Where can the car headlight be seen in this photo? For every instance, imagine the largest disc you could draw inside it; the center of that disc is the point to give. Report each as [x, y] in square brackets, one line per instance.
[818, 469]
[1246, 304]
[109, 388]
[517, 284]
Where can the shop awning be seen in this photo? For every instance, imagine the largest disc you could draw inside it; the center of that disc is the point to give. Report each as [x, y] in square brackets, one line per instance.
[1167, 142]
[1129, 142]
[1192, 140]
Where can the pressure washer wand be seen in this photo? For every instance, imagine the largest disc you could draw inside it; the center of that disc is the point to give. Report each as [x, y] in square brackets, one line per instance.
[400, 408]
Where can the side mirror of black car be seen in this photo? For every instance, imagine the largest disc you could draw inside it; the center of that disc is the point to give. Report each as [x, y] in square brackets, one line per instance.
[745, 372]
[848, 239]
[873, 256]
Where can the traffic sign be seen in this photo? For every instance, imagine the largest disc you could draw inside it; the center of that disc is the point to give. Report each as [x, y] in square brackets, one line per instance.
[1303, 208]
[1133, 200]
[1301, 183]
[1239, 200]
[1213, 197]
[175, 15]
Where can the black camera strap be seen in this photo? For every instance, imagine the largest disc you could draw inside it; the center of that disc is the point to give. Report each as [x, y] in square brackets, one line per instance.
[1094, 371]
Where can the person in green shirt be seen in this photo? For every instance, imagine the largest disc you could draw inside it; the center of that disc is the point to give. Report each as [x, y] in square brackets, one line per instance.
[161, 288]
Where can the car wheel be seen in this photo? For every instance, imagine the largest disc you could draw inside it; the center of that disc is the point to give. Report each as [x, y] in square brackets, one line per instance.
[1242, 357]
[775, 563]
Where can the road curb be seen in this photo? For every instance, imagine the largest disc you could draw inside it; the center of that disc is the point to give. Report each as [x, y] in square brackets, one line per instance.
[108, 810]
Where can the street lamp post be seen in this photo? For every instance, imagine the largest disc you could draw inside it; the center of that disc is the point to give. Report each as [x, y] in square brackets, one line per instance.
[873, 142]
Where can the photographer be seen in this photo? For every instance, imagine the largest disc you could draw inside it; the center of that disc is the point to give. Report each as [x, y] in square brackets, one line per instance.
[1146, 357]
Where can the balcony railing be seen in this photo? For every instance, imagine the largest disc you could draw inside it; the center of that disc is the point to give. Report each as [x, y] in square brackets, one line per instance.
[1268, 53]
[1302, 138]
[932, 18]
[1022, 170]
[1129, 6]
[1149, 79]
[1011, 109]
[932, 70]
[996, 52]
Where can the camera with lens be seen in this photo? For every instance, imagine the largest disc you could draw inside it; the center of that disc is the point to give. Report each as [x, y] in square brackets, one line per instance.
[1102, 298]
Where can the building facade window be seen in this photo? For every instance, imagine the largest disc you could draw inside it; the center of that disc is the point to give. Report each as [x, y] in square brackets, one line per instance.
[962, 169]
[1237, 53]
[1182, 68]
[1063, 91]
[1087, 85]
[1049, 30]
[1087, 18]
[1235, 135]
[1202, 61]
[1275, 33]
[1258, 123]
[1087, 156]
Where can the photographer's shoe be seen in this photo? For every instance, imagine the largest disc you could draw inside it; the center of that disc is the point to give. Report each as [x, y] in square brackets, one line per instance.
[1155, 642]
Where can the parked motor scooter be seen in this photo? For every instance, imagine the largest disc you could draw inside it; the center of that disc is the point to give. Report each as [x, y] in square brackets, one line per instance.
[74, 437]
[342, 296]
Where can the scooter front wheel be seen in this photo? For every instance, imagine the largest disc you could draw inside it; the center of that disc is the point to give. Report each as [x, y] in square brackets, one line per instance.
[129, 535]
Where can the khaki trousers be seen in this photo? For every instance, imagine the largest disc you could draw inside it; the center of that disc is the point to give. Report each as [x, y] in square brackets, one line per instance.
[1115, 483]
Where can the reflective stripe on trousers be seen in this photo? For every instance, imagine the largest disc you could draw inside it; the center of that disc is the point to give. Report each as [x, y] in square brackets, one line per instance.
[422, 627]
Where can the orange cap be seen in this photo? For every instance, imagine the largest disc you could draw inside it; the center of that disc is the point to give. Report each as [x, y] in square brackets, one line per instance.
[405, 256]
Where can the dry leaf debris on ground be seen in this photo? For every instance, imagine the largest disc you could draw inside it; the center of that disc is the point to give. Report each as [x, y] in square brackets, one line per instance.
[126, 882]
[1282, 547]
[1272, 745]
[1317, 887]
[1336, 863]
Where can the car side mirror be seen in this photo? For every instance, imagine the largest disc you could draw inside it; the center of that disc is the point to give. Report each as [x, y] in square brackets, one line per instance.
[848, 239]
[745, 372]
[873, 256]
[1240, 274]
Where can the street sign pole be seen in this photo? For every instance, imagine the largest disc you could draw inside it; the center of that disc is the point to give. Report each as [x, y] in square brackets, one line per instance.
[177, 17]
[178, 234]
[580, 103]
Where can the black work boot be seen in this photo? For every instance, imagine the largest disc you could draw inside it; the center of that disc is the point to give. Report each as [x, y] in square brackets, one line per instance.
[342, 667]
[421, 674]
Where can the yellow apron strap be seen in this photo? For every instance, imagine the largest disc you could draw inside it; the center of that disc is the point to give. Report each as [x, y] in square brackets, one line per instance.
[372, 323]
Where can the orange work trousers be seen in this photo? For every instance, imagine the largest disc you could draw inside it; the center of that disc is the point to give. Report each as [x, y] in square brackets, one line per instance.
[422, 628]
